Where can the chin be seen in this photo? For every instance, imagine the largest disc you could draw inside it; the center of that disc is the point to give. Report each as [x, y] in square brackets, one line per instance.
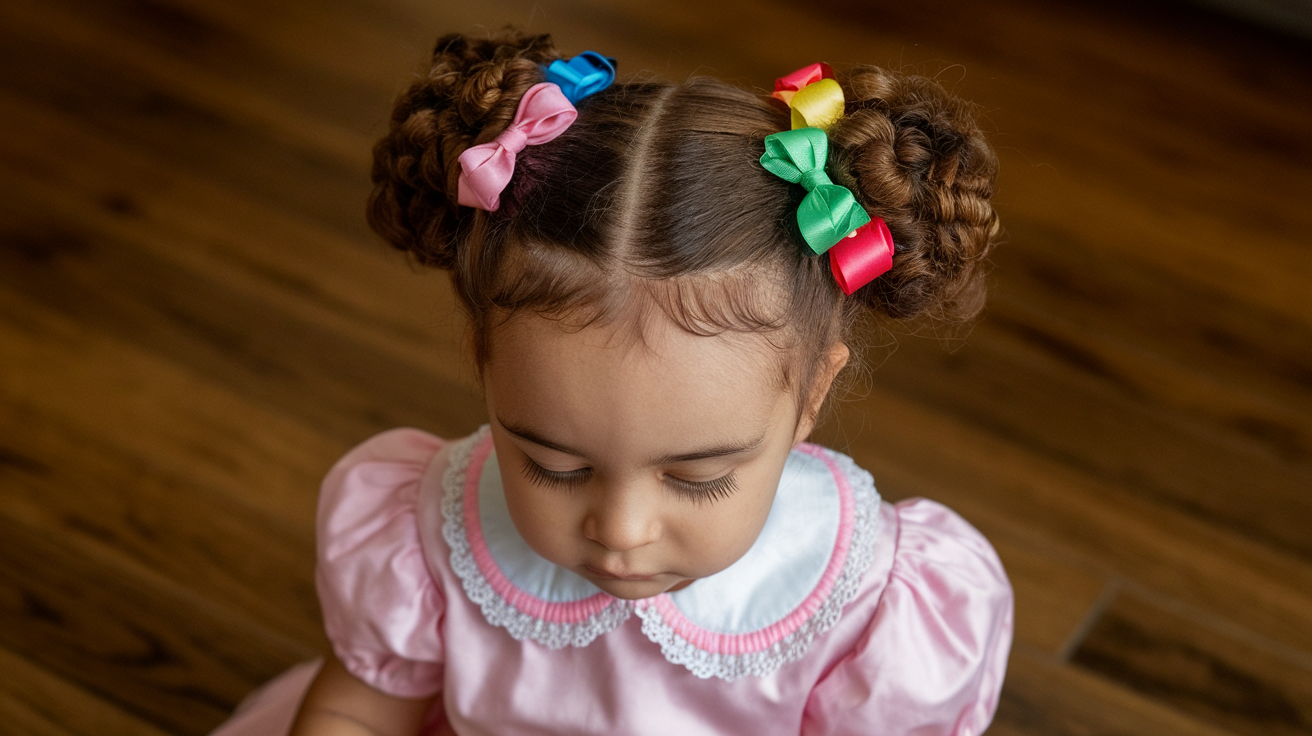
[632, 590]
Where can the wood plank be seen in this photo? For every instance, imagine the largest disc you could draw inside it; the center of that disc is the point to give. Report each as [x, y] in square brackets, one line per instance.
[180, 425]
[109, 504]
[1162, 652]
[1211, 349]
[125, 496]
[259, 254]
[34, 702]
[1054, 594]
[161, 655]
[250, 158]
[338, 385]
[1106, 410]
[339, 63]
[1043, 697]
[96, 30]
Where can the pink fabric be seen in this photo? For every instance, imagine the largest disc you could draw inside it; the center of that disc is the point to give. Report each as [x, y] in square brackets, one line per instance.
[382, 608]
[863, 256]
[933, 657]
[485, 170]
[921, 649]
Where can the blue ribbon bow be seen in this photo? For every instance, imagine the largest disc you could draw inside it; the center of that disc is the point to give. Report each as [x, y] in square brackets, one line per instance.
[585, 74]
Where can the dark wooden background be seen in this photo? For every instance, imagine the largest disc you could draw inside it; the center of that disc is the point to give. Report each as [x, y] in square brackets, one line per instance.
[195, 322]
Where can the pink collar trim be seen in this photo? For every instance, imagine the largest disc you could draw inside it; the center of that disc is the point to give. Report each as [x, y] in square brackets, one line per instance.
[762, 639]
[569, 611]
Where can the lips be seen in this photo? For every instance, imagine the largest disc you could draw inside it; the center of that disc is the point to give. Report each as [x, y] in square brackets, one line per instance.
[615, 576]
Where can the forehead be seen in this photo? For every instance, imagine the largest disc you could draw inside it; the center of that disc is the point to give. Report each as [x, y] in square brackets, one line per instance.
[663, 389]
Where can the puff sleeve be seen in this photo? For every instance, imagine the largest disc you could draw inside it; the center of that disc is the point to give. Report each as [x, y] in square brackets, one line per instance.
[932, 659]
[382, 608]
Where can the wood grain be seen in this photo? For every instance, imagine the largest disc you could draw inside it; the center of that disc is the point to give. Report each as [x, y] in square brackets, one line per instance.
[1248, 686]
[161, 654]
[34, 702]
[1048, 698]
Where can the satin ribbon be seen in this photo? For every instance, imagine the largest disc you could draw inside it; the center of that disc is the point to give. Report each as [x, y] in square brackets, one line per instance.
[485, 169]
[814, 96]
[829, 212]
[790, 84]
[863, 256]
[818, 105]
[585, 74]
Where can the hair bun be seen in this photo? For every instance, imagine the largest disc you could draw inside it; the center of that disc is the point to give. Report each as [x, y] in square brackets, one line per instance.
[468, 95]
[917, 158]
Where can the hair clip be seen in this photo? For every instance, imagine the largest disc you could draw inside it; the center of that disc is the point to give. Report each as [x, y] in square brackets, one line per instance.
[829, 212]
[585, 74]
[863, 256]
[485, 169]
[814, 96]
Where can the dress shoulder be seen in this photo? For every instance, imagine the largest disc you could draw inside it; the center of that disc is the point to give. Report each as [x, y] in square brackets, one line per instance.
[381, 605]
[932, 658]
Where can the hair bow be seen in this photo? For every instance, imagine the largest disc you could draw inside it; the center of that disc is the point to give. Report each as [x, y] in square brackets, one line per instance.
[815, 97]
[790, 84]
[829, 212]
[485, 169]
[585, 74]
[863, 256]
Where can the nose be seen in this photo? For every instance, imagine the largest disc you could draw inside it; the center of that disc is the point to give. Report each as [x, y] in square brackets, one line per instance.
[621, 520]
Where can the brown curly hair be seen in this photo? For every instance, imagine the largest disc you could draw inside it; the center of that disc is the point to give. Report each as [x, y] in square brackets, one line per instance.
[655, 197]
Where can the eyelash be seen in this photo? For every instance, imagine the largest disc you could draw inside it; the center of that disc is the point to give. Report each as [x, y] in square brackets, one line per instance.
[700, 491]
[552, 478]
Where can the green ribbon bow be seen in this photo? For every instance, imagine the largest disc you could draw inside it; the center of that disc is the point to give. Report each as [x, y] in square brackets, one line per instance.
[829, 211]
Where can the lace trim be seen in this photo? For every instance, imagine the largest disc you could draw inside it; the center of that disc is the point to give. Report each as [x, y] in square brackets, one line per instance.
[860, 555]
[497, 610]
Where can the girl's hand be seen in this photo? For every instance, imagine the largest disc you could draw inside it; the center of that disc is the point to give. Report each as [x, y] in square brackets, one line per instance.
[338, 704]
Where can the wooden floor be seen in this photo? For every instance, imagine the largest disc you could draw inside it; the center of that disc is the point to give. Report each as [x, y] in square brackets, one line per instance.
[195, 322]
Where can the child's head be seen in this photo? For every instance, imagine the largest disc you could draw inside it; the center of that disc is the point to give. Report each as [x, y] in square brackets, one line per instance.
[643, 293]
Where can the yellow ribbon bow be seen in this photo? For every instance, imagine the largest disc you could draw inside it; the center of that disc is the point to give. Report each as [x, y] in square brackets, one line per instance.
[817, 105]
[815, 98]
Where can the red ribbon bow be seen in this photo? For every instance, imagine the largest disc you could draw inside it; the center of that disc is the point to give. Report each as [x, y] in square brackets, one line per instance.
[862, 256]
[790, 84]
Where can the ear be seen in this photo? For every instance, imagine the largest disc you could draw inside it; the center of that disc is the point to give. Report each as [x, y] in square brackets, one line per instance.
[834, 361]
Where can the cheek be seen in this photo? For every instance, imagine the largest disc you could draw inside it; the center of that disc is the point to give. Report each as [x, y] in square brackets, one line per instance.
[716, 535]
[544, 517]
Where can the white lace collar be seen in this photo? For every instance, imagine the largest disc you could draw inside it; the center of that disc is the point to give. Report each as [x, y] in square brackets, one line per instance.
[749, 619]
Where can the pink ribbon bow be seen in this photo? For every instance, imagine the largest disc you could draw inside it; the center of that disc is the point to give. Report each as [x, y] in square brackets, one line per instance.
[485, 169]
[862, 256]
[790, 84]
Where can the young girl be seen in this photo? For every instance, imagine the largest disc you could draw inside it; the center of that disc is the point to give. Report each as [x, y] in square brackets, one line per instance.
[660, 279]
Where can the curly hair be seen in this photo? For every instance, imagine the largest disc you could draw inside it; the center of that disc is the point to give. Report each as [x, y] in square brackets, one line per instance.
[655, 196]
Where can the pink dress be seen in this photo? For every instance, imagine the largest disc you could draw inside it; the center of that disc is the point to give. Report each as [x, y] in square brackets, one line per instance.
[848, 615]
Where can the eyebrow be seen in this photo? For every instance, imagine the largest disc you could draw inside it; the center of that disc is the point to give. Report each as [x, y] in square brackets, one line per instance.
[524, 433]
[718, 451]
[725, 450]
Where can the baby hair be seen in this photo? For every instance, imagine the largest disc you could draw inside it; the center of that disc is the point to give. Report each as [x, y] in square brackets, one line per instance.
[655, 197]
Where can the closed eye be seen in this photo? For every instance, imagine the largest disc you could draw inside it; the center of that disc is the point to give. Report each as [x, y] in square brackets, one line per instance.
[708, 491]
[555, 478]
